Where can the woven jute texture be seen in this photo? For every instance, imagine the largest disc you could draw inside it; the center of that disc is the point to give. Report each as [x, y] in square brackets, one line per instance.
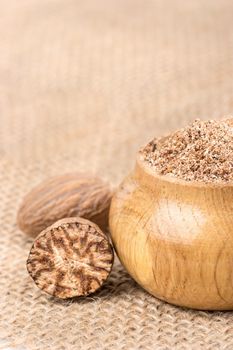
[83, 84]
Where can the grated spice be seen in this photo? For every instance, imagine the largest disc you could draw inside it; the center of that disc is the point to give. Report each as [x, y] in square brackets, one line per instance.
[203, 151]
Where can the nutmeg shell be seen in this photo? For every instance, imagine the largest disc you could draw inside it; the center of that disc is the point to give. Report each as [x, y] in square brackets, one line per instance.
[69, 195]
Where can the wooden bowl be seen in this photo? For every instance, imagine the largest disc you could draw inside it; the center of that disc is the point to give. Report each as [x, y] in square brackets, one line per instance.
[175, 237]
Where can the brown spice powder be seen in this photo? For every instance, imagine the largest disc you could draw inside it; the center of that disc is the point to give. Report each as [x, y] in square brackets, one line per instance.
[203, 151]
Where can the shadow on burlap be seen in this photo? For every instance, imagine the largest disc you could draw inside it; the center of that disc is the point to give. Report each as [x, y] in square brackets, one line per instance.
[83, 85]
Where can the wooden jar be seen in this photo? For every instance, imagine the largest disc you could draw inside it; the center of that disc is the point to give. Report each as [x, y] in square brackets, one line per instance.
[175, 238]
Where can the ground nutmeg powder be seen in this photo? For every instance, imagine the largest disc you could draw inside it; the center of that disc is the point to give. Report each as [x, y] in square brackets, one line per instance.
[202, 151]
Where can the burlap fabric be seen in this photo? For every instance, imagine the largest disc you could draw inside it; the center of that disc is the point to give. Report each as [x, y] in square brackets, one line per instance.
[83, 84]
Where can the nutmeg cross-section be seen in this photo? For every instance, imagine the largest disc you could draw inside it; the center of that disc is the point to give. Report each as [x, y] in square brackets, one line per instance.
[71, 258]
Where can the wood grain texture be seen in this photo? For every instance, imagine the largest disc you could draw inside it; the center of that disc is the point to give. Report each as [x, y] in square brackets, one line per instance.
[68, 195]
[175, 238]
[70, 258]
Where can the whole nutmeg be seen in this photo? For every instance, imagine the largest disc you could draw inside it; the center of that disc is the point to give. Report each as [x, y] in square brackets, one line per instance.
[71, 258]
[69, 195]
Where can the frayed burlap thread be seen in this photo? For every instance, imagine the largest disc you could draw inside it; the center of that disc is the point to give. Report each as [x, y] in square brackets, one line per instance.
[83, 85]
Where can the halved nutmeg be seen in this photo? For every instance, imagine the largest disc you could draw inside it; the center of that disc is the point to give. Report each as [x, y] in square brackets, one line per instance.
[71, 258]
